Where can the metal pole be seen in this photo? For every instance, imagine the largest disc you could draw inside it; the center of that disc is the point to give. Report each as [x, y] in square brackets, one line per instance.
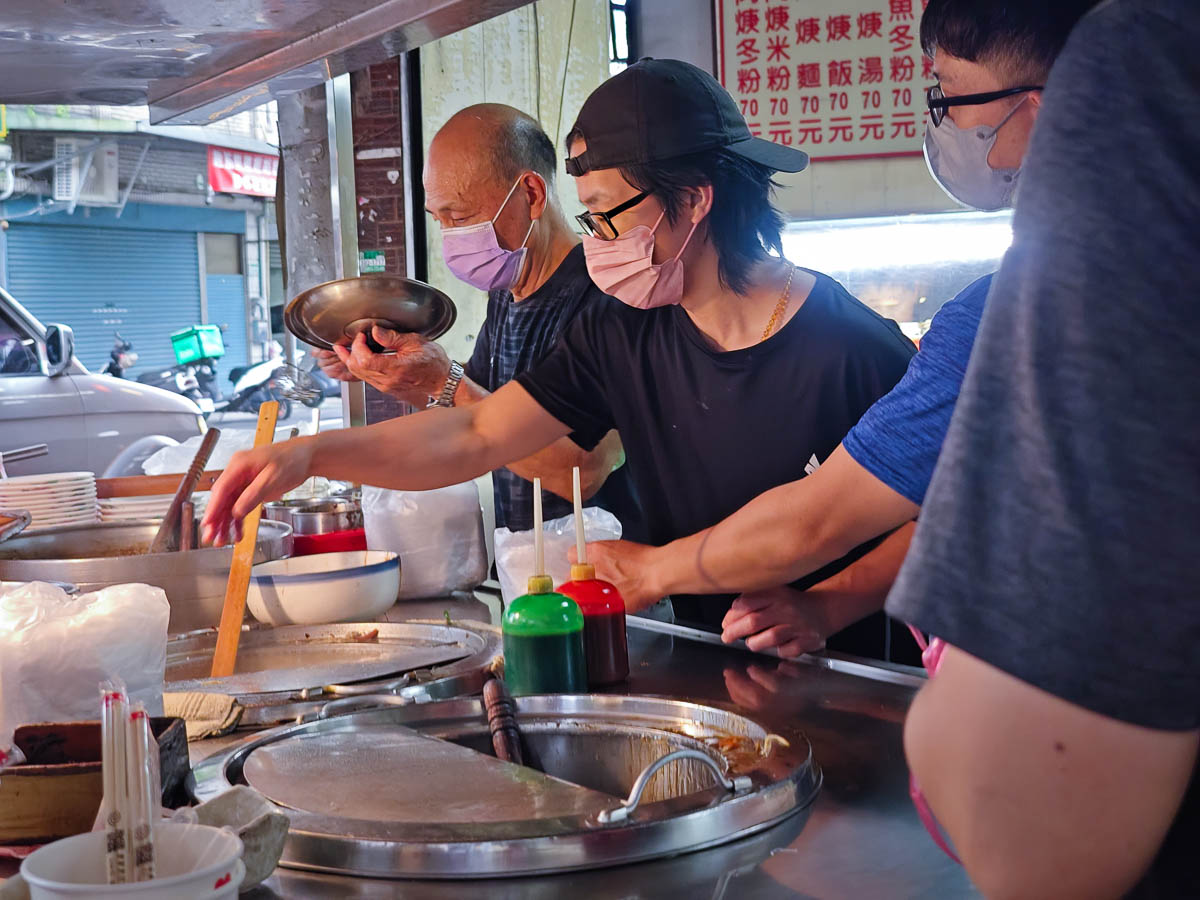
[345, 225]
[137, 168]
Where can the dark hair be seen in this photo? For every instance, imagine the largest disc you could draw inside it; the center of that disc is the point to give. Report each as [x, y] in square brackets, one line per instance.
[743, 225]
[1023, 37]
[520, 145]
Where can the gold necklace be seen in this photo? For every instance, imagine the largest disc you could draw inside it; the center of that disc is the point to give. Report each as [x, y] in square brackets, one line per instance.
[780, 306]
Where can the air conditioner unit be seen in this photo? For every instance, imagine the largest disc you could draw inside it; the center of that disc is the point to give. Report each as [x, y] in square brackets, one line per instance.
[99, 182]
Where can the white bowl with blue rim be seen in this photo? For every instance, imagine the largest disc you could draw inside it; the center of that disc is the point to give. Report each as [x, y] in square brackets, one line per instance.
[350, 586]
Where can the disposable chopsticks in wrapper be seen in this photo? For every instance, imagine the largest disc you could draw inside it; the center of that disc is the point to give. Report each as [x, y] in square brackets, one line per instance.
[129, 767]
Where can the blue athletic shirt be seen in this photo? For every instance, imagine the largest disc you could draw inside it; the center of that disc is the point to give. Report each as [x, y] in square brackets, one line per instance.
[899, 438]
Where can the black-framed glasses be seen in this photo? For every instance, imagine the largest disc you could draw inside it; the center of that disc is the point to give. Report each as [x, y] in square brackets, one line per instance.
[600, 224]
[939, 102]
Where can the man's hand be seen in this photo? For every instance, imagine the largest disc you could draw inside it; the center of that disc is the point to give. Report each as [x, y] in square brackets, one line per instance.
[332, 366]
[253, 477]
[629, 567]
[417, 372]
[779, 618]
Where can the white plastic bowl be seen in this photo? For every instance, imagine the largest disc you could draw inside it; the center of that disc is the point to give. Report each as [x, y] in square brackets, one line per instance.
[192, 862]
[351, 586]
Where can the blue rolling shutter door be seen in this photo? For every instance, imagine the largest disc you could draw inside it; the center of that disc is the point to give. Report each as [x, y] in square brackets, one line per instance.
[226, 296]
[143, 283]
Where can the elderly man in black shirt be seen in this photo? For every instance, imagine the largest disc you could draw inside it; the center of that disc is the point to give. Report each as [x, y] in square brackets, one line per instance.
[489, 183]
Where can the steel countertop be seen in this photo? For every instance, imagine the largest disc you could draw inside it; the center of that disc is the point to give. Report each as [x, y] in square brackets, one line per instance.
[861, 838]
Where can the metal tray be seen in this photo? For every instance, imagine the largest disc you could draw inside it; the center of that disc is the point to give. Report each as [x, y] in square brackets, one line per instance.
[459, 659]
[721, 781]
[337, 310]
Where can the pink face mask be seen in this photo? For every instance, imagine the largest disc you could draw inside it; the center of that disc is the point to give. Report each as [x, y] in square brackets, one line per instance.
[473, 253]
[624, 267]
[931, 658]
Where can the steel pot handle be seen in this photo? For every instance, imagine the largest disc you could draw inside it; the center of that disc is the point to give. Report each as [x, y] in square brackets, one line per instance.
[358, 690]
[353, 704]
[629, 805]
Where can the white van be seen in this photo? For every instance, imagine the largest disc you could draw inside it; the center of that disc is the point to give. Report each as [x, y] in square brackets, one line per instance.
[94, 423]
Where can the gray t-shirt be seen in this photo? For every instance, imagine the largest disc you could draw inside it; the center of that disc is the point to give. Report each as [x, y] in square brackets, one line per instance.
[1060, 535]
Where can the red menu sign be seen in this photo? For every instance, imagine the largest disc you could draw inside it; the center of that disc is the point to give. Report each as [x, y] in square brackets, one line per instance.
[242, 172]
[839, 79]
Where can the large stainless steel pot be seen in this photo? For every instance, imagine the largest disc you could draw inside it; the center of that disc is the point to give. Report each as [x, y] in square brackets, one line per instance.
[413, 790]
[96, 556]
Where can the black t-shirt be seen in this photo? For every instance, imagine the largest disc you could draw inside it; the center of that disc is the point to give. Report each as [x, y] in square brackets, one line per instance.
[1058, 538]
[517, 336]
[707, 431]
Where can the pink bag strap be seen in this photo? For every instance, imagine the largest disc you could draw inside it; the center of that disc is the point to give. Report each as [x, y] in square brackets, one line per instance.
[927, 818]
[931, 657]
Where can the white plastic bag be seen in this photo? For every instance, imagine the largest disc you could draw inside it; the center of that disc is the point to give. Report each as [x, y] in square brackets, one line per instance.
[514, 549]
[438, 535]
[170, 460]
[56, 649]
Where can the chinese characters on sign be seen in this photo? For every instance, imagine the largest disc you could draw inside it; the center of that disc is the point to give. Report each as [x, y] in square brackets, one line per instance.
[242, 172]
[836, 78]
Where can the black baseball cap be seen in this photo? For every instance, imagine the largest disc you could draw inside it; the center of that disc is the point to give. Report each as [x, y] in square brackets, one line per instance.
[662, 108]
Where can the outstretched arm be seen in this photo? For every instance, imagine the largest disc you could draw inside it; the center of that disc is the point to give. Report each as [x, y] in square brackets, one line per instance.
[780, 536]
[419, 452]
[418, 370]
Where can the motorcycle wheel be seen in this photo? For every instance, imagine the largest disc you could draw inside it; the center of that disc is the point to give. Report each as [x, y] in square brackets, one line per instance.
[285, 405]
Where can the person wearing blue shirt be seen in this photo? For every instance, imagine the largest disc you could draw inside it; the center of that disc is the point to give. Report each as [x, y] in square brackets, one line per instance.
[991, 61]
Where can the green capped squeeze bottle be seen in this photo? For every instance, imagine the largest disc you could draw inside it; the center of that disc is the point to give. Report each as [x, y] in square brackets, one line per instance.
[543, 642]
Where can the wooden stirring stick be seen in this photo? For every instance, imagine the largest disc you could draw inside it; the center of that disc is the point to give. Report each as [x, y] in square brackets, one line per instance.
[230, 631]
[580, 538]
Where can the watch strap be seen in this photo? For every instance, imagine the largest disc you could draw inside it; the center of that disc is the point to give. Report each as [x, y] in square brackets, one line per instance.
[450, 388]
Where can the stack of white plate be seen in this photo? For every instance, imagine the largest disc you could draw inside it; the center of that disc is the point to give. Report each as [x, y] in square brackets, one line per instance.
[129, 509]
[57, 498]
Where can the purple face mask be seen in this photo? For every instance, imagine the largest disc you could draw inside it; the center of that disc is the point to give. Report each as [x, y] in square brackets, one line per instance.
[473, 253]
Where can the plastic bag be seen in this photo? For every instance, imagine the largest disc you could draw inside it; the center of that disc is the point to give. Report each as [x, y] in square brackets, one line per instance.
[514, 549]
[170, 460]
[438, 534]
[55, 649]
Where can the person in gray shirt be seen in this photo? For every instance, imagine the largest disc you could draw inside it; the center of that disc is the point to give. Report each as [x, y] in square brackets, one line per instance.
[1056, 550]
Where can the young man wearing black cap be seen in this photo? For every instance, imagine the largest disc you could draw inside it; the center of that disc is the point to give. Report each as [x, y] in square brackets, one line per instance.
[727, 370]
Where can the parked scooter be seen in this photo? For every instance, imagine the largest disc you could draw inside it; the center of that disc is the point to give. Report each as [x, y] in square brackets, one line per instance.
[120, 359]
[253, 385]
[180, 380]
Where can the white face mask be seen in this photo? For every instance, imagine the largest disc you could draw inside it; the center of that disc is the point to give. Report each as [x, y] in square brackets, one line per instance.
[958, 161]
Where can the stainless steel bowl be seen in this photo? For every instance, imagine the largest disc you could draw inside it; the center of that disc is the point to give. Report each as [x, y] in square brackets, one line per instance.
[339, 310]
[326, 516]
[96, 556]
[281, 510]
[316, 516]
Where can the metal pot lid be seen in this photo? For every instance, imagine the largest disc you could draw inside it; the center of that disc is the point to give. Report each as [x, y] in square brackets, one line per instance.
[426, 660]
[337, 310]
[413, 790]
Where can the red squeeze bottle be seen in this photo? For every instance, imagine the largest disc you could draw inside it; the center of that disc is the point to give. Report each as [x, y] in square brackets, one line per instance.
[604, 644]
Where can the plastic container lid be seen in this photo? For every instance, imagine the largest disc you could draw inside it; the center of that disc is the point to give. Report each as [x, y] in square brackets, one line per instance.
[542, 612]
[595, 597]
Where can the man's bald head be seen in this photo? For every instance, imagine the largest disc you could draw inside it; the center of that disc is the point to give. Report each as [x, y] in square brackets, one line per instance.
[496, 140]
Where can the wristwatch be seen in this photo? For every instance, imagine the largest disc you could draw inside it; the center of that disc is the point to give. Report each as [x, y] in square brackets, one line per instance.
[446, 397]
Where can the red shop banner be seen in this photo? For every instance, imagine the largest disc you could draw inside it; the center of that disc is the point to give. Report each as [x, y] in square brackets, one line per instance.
[840, 79]
[242, 172]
